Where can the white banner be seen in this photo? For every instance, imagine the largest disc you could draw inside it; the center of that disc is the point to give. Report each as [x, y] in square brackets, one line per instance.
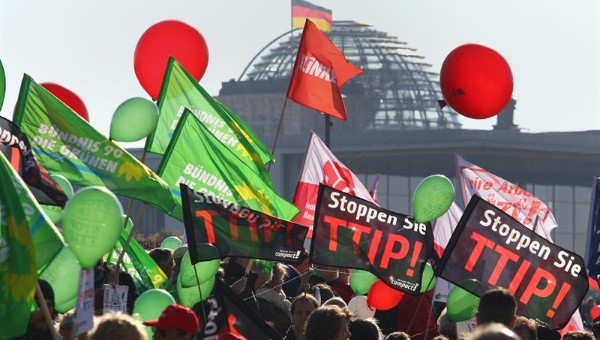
[84, 311]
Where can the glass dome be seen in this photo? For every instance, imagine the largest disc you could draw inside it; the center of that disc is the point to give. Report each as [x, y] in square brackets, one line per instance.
[408, 91]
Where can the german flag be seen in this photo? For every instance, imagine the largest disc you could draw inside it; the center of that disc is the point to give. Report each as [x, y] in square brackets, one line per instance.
[320, 16]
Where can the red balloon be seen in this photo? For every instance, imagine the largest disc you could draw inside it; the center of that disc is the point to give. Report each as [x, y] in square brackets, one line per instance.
[69, 98]
[163, 40]
[476, 81]
[595, 312]
[383, 297]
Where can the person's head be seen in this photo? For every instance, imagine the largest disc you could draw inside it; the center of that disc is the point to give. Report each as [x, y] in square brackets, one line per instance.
[117, 326]
[325, 291]
[328, 323]
[37, 321]
[493, 331]
[164, 259]
[397, 336]
[175, 322]
[278, 278]
[337, 301]
[525, 328]
[497, 305]
[65, 327]
[579, 335]
[365, 330]
[446, 326]
[301, 307]
[437, 337]
[262, 279]
[596, 328]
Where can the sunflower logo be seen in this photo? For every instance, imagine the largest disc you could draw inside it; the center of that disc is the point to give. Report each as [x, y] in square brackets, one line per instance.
[130, 170]
[19, 270]
[259, 198]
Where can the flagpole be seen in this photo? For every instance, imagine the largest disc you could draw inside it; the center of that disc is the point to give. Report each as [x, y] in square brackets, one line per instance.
[328, 124]
[44, 308]
[278, 131]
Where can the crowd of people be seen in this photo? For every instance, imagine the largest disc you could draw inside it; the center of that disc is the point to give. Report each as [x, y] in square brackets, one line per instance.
[301, 302]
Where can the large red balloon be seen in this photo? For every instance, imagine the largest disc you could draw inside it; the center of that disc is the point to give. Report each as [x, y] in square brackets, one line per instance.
[69, 98]
[383, 297]
[163, 40]
[595, 312]
[476, 81]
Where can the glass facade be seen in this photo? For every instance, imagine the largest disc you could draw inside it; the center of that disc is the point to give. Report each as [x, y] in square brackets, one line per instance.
[569, 204]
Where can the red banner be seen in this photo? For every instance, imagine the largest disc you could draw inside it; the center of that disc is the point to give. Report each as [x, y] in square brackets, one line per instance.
[491, 247]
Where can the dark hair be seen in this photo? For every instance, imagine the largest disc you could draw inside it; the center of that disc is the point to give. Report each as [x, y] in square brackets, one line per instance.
[46, 289]
[596, 327]
[397, 336]
[522, 322]
[365, 330]
[325, 291]
[161, 255]
[324, 323]
[497, 304]
[579, 335]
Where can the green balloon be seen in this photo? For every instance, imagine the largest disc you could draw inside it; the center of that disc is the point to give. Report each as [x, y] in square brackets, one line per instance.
[428, 279]
[361, 281]
[54, 212]
[133, 120]
[92, 223]
[63, 275]
[64, 184]
[150, 305]
[189, 296]
[432, 198]
[205, 271]
[2, 84]
[461, 304]
[171, 242]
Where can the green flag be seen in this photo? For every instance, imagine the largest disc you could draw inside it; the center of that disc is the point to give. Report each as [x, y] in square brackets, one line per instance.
[196, 158]
[18, 274]
[68, 145]
[180, 91]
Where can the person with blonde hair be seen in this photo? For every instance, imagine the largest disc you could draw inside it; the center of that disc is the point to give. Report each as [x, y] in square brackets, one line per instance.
[118, 326]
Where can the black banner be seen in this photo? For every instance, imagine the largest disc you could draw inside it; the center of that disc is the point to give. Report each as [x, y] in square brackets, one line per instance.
[235, 230]
[15, 146]
[490, 248]
[354, 233]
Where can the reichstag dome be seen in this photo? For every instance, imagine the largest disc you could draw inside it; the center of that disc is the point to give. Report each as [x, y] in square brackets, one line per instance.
[397, 91]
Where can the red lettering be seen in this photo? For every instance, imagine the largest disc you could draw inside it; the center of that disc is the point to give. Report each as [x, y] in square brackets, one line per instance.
[505, 255]
[233, 228]
[482, 242]
[334, 223]
[389, 247]
[208, 225]
[548, 284]
[519, 276]
[358, 230]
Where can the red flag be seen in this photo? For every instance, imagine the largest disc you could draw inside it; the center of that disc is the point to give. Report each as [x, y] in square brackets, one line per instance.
[321, 166]
[320, 71]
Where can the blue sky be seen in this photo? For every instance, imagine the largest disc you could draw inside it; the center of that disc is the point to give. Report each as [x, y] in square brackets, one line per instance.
[552, 46]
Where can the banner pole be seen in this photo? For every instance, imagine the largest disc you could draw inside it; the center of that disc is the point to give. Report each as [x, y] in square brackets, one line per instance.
[44, 308]
[200, 292]
[278, 131]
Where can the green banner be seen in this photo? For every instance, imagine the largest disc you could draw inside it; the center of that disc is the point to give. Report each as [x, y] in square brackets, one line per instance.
[179, 91]
[68, 145]
[18, 274]
[200, 161]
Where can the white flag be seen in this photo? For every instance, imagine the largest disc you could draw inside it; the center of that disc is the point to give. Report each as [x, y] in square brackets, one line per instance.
[512, 199]
[321, 166]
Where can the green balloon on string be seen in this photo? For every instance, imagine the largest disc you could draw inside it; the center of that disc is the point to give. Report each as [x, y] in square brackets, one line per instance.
[92, 223]
[2, 84]
[432, 198]
[134, 119]
[461, 304]
[63, 275]
[205, 270]
[171, 242]
[54, 212]
[150, 305]
[189, 296]
[428, 279]
[361, 281]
